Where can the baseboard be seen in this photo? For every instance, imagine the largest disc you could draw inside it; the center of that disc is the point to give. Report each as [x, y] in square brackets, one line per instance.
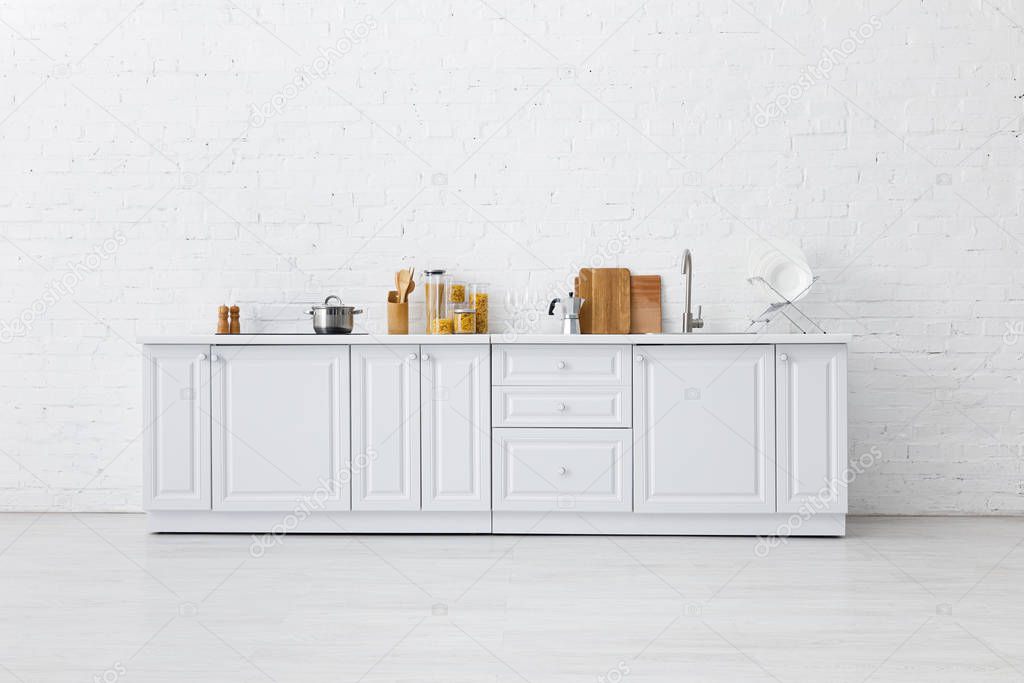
[625, 523]
[319, 522]
[553, 522]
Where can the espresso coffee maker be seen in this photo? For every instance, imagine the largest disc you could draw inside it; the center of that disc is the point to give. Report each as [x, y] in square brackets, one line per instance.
[571, 306]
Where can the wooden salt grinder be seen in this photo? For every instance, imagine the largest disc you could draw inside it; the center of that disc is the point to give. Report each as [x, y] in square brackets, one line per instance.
[222, 320]
[235, 327]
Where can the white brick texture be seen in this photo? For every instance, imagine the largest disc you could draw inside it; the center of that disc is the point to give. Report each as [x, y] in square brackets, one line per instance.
[166, 156]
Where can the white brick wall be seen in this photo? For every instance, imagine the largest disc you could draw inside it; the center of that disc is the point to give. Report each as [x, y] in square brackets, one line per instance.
[513, 141]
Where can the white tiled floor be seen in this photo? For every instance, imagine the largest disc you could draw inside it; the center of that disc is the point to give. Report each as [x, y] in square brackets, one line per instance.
[93, 597]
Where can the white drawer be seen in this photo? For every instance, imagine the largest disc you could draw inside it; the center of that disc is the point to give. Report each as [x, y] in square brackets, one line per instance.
[560, 364]
[561, 407]
[563, 470]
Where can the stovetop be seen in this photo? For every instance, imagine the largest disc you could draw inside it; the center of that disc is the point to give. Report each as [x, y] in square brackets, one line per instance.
[299, 334]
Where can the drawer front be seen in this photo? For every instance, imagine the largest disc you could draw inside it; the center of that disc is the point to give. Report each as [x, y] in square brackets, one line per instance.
[562, 407]
[565, 470]
[560, 364]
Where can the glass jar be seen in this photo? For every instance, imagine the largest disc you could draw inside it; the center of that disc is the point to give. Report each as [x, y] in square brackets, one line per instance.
[442, 326]
[457, 293]
[478, 299]
[435, 299]
[464, 320]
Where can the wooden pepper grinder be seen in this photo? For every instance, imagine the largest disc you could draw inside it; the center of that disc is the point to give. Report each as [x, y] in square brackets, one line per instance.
[236, 328]
[222, 320]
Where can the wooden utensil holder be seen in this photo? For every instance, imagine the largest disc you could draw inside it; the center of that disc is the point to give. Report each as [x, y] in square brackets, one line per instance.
[398, 314]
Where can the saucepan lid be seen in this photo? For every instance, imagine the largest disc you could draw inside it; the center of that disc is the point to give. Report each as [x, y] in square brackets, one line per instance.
[335, 307]
[327, 302]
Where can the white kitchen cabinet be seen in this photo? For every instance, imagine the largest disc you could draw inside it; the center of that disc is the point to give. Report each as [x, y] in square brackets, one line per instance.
[280, 427]
[558, 365]
[455, 427]
[630, 434]
[176, 405]
[386, 427]
[704, 429]
[812, 455]
[562, 470]
[564, 406]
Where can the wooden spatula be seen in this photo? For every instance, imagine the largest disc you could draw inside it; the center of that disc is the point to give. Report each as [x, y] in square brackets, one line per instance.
[402, 280]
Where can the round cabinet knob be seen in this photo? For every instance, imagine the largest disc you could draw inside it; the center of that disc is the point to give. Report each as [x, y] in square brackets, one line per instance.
[426, 357]
[563, 470]
[639, 359]
[214, 357]
[412, 356]
[561, 406]
[561, 365]
[202, 356]
[783, 357]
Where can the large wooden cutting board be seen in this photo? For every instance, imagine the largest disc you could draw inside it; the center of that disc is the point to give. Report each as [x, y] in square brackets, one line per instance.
[645, 304]
[606, 309]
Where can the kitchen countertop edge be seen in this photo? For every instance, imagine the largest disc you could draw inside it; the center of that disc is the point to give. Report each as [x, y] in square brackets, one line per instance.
[720, 338]
[370, 339]
[312, 339]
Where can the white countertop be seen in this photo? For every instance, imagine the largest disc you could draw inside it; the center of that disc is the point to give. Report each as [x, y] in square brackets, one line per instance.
[314, 339]
[360, 339]
[672, 339]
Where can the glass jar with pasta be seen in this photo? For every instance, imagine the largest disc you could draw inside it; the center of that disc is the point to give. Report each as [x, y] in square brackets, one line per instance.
[477, 298]
[436, 302]
[457, 293]
[464, 319]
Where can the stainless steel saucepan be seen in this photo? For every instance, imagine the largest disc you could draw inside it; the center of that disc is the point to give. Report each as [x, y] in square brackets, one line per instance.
[331, 318]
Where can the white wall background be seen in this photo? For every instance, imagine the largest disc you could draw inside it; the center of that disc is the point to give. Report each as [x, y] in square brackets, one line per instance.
[512, 142]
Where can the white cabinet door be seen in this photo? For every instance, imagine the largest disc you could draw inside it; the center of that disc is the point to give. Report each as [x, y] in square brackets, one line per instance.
[812, 457]
[704, 429]
[567, 470]
[386, 428]
[456, 427]
[280, 437]
[561, 364]
[176, 446]
[564, 406]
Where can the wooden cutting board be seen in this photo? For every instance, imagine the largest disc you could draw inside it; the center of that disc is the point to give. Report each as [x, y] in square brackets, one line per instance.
[644, 304]
[606, 309]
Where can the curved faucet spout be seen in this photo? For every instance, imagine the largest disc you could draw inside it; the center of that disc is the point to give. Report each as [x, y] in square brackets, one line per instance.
[690, 323]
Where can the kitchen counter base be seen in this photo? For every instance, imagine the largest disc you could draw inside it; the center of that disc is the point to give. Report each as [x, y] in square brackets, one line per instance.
[318, 522]
[633, 524]
[275, 524]
[526, 438]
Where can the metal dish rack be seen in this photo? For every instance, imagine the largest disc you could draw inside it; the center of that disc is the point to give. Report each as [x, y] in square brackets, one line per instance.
[783, 308]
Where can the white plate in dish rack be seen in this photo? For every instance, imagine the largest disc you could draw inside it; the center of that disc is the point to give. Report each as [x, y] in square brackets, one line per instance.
[780, 269]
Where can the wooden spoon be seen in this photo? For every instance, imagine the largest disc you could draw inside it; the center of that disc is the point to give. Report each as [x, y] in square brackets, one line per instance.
[402, 279]
[412, 285]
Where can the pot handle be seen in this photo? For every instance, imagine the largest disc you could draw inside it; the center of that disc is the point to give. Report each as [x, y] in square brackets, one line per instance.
[332, 296]
[357, 310]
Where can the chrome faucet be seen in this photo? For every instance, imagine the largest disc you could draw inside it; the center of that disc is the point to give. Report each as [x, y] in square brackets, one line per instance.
[689, 322]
